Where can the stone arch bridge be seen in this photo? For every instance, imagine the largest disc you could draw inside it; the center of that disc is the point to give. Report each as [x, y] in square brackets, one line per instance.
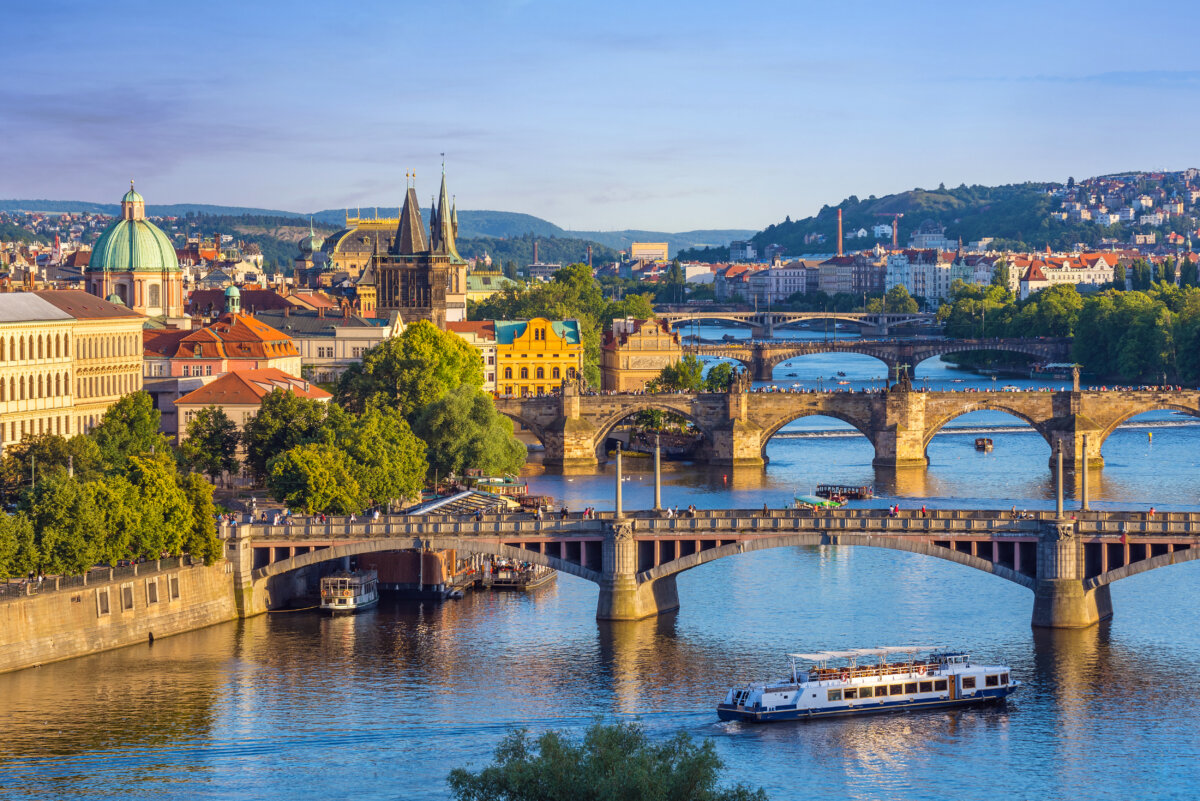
[1068, 564]
[764, 323]
[761, 358]
[899, 422]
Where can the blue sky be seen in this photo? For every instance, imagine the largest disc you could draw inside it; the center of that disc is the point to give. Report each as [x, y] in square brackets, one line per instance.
[667, 115]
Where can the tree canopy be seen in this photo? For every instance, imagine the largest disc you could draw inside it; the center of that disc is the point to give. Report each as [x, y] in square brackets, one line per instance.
[464, 430]
[283, 421]
[611, 762]
[212, 443]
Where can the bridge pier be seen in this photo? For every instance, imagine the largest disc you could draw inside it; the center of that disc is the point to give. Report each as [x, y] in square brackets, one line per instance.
[622, 597]
[899, 440]
[738, 443]
[1060, 599]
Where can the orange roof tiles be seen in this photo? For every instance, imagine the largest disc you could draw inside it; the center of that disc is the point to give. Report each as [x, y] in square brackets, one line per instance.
[249, 387]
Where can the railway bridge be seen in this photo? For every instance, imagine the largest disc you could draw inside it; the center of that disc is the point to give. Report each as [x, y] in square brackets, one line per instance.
[900, 422]
[1068, 564]
[761, 357]
[763, 323]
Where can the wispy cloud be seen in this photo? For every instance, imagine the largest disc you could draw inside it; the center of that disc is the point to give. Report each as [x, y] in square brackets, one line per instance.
[1130, 78]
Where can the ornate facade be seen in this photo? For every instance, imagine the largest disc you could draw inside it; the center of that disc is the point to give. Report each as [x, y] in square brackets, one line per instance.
[636, 351]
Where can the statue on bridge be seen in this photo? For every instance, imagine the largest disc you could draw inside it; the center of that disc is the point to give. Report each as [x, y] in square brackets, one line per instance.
[902, 382]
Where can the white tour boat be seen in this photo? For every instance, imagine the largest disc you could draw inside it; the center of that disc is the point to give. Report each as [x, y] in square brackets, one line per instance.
[349, 591]
[815, 689]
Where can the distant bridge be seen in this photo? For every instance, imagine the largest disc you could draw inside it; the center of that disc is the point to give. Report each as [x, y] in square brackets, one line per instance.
[762, 357]
[1068, 564]
[763, 323]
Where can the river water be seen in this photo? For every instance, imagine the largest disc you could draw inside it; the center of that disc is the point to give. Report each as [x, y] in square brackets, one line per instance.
[382, 705]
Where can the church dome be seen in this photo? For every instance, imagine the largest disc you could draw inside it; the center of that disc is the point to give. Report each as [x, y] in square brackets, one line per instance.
[312, 243]
[232, 291]
[133, 243]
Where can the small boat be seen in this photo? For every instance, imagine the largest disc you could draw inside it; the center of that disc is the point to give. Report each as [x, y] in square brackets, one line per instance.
[349, 591]
[843, 383]
[793, 375]
[983, 444]
[842, 373]
[519, 576]
[845, 492]
[816, 502]
[820, 690]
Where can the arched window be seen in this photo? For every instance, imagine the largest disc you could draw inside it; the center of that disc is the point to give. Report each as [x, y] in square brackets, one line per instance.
[570, 372]
[155, 295]
[524, 372]
[22, 385]
[57, 385]
[3, 352]
[508, 372]
[41, 390]
[541, 373]
[41, 352]
[22, 348]
[58, 349]
[555, 374]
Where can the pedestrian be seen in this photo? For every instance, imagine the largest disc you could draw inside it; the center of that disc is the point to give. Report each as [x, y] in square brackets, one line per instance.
[1151, 512]
[923, 513]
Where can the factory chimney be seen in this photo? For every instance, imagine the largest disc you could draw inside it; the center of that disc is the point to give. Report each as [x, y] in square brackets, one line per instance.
[840, 232]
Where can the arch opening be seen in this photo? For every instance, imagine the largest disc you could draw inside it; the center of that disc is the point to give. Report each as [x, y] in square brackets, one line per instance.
[832, 370]
[680, 435]
[807, 445]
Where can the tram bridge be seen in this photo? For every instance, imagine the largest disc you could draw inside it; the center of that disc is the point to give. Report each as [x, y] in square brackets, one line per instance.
[761, 357]
[899, 422]
[763, 323]
[634, 558]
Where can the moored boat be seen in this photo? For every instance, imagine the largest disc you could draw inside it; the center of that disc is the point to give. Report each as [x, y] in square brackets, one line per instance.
[349, 591]
[816, 689]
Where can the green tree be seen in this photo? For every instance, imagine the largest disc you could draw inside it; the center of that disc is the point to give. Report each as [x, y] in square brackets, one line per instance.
[411, 370]
[685, 375]
[18, 549]
[720, 377]
[212, 443]
[1002, 274]
[200, 540]
[164, 515]
[130, 427]
[898, 301]
[1119, 276]
[612, 762]
[38, 455]
[463, 430]
[283, 421]
[69, 525]
[1187, 273]
[313, 478]
[388, 460]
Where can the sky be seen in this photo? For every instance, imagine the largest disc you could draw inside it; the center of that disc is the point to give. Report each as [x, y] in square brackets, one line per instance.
[596, 116]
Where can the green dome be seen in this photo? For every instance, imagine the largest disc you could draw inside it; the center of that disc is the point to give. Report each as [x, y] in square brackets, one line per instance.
[132, 197]
[131, 246]
[311, 244]
[232, 292]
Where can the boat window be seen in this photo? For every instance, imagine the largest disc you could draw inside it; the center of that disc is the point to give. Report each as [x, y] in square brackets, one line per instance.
[1004, 679]
[896, 689]
[992, 681]
[968, 682]
[910, 688]
[851, 692]
[866, 692]
[940, 685]
[926, 687]
[835, 695]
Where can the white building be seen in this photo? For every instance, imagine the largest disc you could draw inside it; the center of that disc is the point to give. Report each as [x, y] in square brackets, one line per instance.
[742, 250]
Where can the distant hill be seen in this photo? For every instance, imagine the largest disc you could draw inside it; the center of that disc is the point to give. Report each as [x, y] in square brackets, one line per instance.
[165, 210]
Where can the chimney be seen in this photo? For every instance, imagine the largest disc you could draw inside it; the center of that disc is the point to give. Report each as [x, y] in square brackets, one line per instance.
[589, 257]
[535, 253]
[839, 232]
[321, 312]
[287, 310]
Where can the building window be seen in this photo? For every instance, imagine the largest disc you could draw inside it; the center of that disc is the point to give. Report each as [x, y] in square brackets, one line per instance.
[525, 372]
[174, 588]
[554, 373]
[541, 373]
[508, 373]
[127, 596]
[151, 591]
[102, 607]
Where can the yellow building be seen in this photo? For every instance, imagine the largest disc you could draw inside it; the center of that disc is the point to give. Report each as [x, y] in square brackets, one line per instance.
[649, 251]
[533, 357]
[636, 351]
[65, 358]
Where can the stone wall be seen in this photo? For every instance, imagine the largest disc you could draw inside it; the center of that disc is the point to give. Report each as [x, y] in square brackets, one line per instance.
[72, 622]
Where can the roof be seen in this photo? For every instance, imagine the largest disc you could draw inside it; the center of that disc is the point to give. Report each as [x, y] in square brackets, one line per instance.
[484, 329]
[213, 300]
[131, 246]
[249, 387]
[508, 330]
[308, 323]
[83, 306]
[22, 307]
[482, 283]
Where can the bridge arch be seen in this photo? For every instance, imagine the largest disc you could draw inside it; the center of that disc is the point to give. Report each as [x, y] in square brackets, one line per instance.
[683, 563]
[526, 424]
[1153, 406]
[981, 406]
[462, 544]
[771, 429]
[1141, 566]
[922, 354]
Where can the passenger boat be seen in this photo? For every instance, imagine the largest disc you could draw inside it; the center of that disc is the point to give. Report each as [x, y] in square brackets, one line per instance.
[815, 502]
[819, 690]
[845, 492]
[983, 444]
[349, 591]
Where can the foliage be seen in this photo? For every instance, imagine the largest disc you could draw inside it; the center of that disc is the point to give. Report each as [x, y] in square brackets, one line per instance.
[898, 301]
[720, 377]
[412, 370]
[611, 762]
[551, 249]
[685, 375]
[18, 549]
[283, 421]
[387, 459]
[313, 478]
[41, 454]
[212, 443]
[464, 430]
[68, 525]
[200, 539]
[128, 428]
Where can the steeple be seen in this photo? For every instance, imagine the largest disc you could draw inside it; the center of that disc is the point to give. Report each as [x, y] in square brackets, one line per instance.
[410, 234]
[446, 225]
[433, 225]
[454, 219]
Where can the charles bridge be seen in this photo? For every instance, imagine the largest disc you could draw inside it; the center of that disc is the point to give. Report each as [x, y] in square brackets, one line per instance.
[899, 422]
[761, 357]
[635, 558]
[763, 323]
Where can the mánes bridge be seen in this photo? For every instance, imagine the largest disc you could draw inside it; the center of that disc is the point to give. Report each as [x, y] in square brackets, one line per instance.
[899, 422]
[764, 323]
[761, 357]
[1068, 564]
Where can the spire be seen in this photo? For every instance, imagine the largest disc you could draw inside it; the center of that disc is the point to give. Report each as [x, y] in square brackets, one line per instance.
[454, 218]
[433, 225]
[446, 224]
[410, 234]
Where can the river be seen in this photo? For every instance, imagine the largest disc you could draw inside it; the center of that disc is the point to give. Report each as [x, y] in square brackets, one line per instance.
[381, 705]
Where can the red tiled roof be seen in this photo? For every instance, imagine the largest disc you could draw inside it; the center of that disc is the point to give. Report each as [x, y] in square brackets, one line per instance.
[485, 329]
[249, 387]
